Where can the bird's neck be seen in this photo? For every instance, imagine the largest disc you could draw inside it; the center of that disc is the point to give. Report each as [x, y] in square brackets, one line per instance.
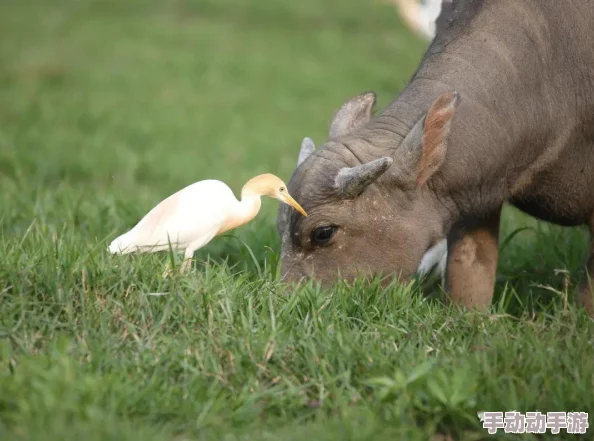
[244, 211]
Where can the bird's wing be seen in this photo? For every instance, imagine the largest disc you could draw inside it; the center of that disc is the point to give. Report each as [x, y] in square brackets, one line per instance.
[193, 214]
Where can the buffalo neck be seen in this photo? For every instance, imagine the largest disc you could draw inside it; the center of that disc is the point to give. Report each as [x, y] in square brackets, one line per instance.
[514, 101]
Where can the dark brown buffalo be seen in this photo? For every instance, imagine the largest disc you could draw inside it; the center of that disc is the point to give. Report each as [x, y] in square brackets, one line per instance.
[500, 109]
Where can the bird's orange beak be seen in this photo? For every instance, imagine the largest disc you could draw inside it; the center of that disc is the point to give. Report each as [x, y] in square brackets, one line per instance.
[288, 199]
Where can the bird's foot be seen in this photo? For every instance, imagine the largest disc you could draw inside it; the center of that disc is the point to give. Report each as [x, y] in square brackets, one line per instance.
[186, 265]
[168, 270]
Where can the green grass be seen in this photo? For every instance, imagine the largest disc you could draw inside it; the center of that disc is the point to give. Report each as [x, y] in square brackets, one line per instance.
[106, 107]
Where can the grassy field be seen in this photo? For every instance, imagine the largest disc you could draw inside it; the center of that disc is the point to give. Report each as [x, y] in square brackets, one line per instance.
[108, 106]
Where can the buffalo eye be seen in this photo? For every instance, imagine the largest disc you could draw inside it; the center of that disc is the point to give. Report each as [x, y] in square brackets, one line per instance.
[322, 235]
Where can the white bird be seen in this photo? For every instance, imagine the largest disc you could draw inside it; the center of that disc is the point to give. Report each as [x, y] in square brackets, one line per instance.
[420, 15]
[192, 217]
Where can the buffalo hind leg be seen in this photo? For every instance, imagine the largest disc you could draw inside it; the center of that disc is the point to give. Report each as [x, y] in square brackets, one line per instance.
[586, 292]
[473, 253]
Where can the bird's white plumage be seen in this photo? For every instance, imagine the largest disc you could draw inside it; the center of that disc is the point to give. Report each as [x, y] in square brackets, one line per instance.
[188, 219]
[421, 15]
[192, 217]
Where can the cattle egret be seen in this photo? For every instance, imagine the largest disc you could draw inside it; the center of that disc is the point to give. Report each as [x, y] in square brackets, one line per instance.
[192, 217]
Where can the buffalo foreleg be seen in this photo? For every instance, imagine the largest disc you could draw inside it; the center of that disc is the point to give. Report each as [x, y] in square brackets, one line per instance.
[472, 262]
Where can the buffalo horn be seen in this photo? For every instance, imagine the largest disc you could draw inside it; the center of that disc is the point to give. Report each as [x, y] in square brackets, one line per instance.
[352, 181]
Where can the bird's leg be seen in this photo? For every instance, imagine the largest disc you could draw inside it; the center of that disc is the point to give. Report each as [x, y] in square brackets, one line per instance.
[168, 269]
[187, 263]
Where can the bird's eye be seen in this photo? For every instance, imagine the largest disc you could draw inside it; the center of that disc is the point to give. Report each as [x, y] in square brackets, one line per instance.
[282, 189]
[322, 235]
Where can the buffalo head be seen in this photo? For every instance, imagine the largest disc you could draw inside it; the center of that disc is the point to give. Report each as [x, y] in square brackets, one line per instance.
[368, 213]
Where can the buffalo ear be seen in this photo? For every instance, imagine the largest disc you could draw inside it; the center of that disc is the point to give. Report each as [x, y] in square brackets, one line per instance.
[425, 146]
[354, 113]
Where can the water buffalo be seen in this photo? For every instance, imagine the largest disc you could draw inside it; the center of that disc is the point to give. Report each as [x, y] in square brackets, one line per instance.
[501, 109]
